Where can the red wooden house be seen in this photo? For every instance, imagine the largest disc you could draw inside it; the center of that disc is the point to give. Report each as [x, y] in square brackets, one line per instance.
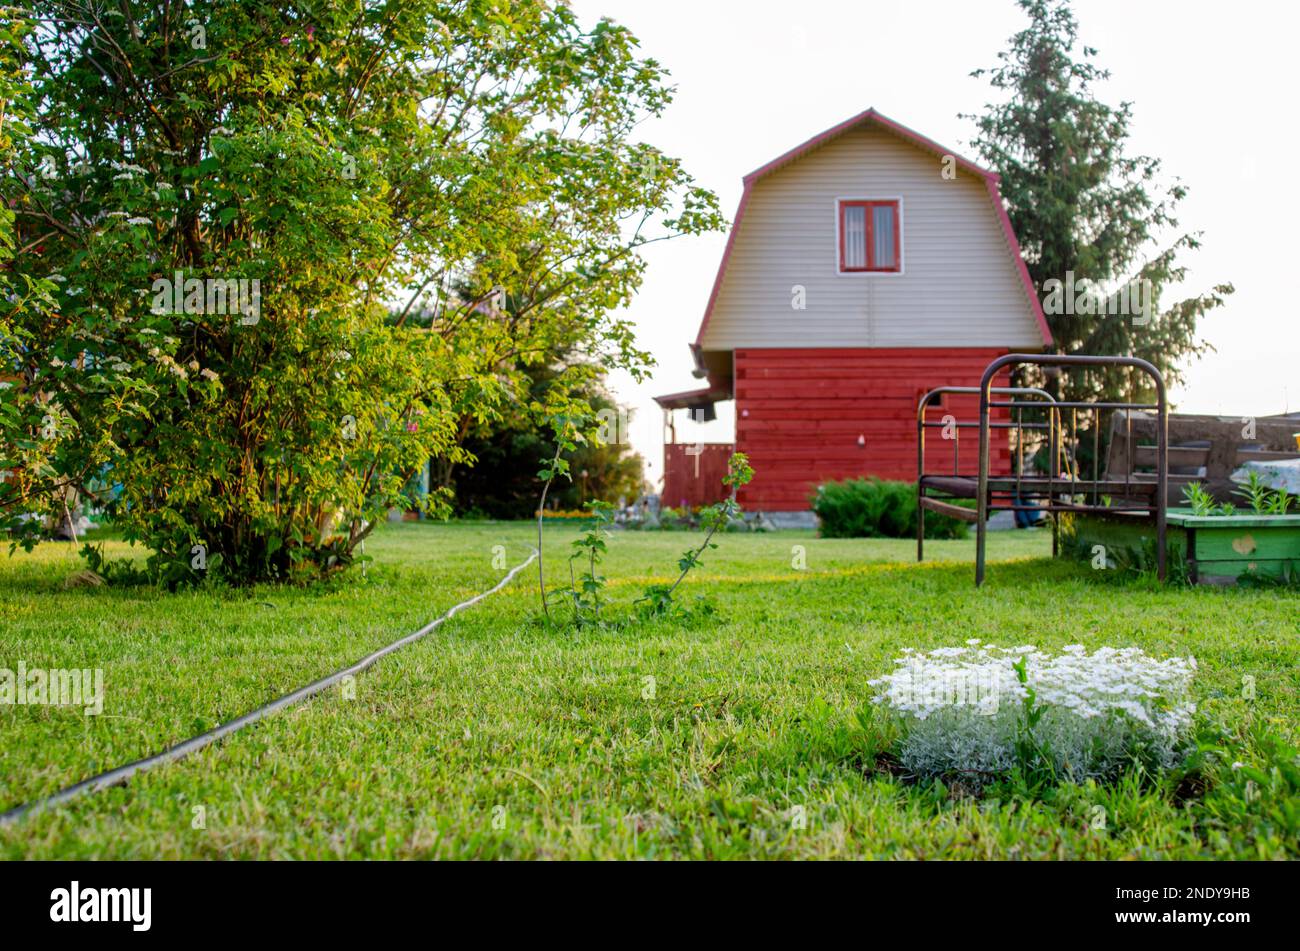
[864, 267]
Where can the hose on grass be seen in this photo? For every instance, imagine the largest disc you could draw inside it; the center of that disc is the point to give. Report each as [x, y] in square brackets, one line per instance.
[119, 776]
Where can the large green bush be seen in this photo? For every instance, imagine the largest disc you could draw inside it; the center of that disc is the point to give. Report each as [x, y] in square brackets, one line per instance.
[228, 203]
[876, 508]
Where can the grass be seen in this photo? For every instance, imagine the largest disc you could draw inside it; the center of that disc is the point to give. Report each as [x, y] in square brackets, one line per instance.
[498, 738]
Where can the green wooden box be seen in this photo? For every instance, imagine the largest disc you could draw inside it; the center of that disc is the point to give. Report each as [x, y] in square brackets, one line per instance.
[1218, 549]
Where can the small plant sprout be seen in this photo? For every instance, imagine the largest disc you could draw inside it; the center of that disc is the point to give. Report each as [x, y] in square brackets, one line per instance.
[567, 436]
[1201, 502]
[1279, 502]
[1256, 492]
[587, 589]
[658, 599]
[1263, 500]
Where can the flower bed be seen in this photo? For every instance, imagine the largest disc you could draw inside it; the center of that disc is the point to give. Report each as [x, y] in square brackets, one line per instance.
[984, 710]
[1208, 542]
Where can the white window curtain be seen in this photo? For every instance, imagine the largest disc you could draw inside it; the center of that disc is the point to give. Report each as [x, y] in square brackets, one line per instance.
[855, 237]
[883, 252]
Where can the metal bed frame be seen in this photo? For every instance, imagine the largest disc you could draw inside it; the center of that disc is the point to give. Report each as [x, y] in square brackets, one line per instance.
[926, 482]
[1061, 488]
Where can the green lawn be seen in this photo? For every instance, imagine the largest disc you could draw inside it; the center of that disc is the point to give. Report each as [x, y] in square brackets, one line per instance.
[497, 738]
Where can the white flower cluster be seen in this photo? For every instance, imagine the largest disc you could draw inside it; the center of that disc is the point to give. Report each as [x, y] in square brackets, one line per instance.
[964, 709]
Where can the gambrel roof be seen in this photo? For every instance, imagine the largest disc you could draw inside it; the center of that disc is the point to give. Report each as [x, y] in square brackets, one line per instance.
[874, 118]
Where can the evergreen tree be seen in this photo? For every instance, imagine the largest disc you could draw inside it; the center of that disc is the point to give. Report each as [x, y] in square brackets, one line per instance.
[1084, 209]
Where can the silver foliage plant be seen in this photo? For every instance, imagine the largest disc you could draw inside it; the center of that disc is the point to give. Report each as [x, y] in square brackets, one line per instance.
[977, 709]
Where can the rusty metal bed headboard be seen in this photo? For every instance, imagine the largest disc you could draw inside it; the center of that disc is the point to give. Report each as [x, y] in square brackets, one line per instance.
[1053, 422]
[1156, 508]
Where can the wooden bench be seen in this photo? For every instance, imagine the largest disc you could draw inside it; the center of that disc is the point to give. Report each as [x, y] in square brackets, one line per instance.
[1204, 449]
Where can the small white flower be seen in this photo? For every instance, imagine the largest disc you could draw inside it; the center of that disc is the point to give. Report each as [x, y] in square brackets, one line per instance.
[960, 708]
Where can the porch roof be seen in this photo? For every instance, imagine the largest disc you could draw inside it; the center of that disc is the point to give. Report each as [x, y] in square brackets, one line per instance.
[690, 398]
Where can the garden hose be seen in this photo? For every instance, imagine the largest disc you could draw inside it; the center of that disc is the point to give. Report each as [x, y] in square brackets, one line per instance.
[118, 776]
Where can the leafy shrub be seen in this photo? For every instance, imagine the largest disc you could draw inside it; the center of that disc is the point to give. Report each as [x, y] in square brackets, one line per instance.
[201, 308]
[876, 508]
[674, 519]
[499, 480]
[658, 598]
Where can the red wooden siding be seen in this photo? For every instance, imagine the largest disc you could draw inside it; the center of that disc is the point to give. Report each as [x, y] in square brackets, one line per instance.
[799, 413]
[681, 484]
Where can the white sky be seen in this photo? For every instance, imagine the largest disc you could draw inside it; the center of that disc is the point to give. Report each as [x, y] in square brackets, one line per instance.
[1212, 87]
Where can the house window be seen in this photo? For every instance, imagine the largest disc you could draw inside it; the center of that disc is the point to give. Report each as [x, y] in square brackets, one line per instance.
[869, 236]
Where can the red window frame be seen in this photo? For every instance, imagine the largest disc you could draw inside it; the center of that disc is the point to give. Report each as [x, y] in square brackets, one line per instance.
[869, 223]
